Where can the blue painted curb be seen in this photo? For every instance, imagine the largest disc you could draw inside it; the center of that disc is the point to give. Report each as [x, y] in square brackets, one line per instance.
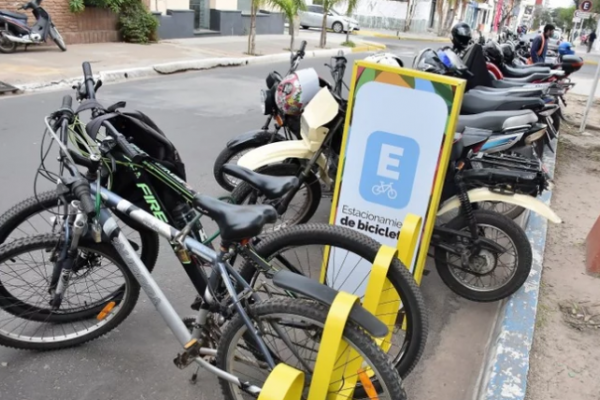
[507, 363]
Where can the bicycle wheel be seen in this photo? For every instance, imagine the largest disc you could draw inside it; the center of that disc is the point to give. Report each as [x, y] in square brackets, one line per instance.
[306, 319]
[32, 324]
[407, 345]
[32, 217]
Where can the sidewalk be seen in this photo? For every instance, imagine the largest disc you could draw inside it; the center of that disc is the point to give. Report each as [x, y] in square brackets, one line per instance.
[392, 34]
[47, 66]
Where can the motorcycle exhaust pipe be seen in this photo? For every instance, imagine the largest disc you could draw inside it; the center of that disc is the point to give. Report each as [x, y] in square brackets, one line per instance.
[17, 39]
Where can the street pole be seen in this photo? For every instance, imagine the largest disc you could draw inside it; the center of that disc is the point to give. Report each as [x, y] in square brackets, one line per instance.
[590, 99]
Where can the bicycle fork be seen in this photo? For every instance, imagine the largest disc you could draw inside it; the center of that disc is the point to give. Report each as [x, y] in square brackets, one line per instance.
[63, 267]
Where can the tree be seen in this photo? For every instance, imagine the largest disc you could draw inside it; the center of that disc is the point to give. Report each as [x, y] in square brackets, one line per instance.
[563, 17]
[327, 7]
[411, 8]
[289, 8]
[507, 11]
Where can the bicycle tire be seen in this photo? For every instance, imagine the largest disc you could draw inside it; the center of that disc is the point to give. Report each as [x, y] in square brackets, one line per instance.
[43, 242]
[19, 213]
[387, 376]
[367, 248]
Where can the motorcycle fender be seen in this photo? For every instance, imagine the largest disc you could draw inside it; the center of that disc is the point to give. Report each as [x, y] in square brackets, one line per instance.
[277, 152]
[257, 137]
[484, 194]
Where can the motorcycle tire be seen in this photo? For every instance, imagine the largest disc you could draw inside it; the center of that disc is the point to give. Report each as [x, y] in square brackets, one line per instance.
[246, 194]
[57, 38]
[7, 46]
[523, 251]
[224, 180]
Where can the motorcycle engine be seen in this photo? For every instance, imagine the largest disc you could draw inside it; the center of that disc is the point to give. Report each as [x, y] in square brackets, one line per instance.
[35, 37]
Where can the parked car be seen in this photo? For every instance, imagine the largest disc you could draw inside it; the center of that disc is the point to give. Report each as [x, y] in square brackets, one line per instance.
[313, 18]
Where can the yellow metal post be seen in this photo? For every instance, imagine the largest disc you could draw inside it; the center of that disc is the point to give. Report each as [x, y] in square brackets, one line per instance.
[283, 383]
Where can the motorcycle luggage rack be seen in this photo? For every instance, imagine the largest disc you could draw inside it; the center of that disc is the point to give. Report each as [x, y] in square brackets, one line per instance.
[6, 88]
[508, 161]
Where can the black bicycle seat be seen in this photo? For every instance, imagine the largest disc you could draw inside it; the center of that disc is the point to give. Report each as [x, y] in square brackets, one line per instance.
[272, 187]
[236, 222]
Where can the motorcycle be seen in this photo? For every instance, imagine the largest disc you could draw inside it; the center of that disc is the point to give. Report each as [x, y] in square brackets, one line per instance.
[247, 141]
[461, 237]
[14, 30]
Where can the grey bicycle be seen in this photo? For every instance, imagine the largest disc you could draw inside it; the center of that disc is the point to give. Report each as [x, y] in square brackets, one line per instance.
[233, 324]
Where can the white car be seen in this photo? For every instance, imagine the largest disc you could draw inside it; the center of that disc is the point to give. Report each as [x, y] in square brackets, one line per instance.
[313, 18]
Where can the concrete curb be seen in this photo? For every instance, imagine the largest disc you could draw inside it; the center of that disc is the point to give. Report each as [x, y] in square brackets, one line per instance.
[400, 37]
[590, 62]
[507, 364]
[125, 74]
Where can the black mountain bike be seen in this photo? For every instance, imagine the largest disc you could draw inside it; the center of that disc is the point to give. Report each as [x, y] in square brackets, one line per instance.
[163, 193]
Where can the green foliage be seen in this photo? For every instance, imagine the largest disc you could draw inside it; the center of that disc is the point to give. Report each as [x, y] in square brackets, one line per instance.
[136, 23]
[349, 43]
[563, 17]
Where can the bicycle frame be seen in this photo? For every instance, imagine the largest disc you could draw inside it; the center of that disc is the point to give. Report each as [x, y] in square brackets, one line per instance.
[157, 296]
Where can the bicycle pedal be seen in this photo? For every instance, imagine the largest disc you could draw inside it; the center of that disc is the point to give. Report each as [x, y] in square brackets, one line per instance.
[190, 353]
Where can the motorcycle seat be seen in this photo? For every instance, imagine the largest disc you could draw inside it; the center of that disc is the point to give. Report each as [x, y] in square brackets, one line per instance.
[13, 14]
[496, 121]
[477, 103]
[523, 91]
[521, 72]
[272, 187]
[536, 76]
[236, 222]
[537, 65]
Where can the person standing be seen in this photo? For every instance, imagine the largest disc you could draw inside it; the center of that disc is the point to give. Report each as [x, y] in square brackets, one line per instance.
[539, 47]
[590, 40]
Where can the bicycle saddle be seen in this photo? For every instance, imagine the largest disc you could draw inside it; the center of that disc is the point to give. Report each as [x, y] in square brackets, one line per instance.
[272, 187]
[236, 222]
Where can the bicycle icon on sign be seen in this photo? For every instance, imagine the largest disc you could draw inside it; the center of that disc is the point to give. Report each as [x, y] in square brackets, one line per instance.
[385, 188]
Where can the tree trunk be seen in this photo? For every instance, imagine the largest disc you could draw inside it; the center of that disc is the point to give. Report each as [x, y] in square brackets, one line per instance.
[407, 19]
[440, 13]
[463, 11]
[323, 42]
[292, 34]
[252, 33]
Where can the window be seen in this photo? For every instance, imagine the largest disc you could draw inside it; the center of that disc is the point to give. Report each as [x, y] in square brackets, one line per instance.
[316, 9]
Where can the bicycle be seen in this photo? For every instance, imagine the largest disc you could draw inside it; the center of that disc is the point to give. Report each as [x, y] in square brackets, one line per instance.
[408, 343]
[89, 226]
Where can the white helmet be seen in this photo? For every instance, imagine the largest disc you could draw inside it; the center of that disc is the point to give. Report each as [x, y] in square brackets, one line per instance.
[385, 59]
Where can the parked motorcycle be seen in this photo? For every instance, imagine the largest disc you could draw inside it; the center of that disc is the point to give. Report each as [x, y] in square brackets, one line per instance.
[290, 125]
[460, 238]
[14, 30]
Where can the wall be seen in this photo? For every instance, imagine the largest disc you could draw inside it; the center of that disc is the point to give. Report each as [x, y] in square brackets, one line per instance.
[175, 24]
[385, 14]
[162, 5]
[224, 4]
[92, 26]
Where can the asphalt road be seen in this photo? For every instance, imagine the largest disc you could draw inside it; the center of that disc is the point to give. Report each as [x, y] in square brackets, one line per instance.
[199, 112]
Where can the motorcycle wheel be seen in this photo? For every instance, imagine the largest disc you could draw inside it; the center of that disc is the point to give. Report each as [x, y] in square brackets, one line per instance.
[230, 156]
[308, 204]
[6, 46]
[57, 38]
[515, 237]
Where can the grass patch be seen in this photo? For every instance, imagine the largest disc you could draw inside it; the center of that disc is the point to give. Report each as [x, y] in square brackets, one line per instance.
[349, 43]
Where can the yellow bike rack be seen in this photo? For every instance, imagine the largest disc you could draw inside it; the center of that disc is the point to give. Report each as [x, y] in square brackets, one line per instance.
[335, 377]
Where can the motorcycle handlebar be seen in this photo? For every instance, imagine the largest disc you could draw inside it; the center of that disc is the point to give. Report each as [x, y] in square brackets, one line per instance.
[302, 48]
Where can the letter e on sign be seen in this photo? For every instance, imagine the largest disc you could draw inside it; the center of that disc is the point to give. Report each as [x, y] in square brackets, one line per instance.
[386, 160]
[389, 168]
[585, 6]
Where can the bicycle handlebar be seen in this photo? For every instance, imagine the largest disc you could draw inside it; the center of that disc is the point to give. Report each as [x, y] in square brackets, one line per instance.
[88, 80]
